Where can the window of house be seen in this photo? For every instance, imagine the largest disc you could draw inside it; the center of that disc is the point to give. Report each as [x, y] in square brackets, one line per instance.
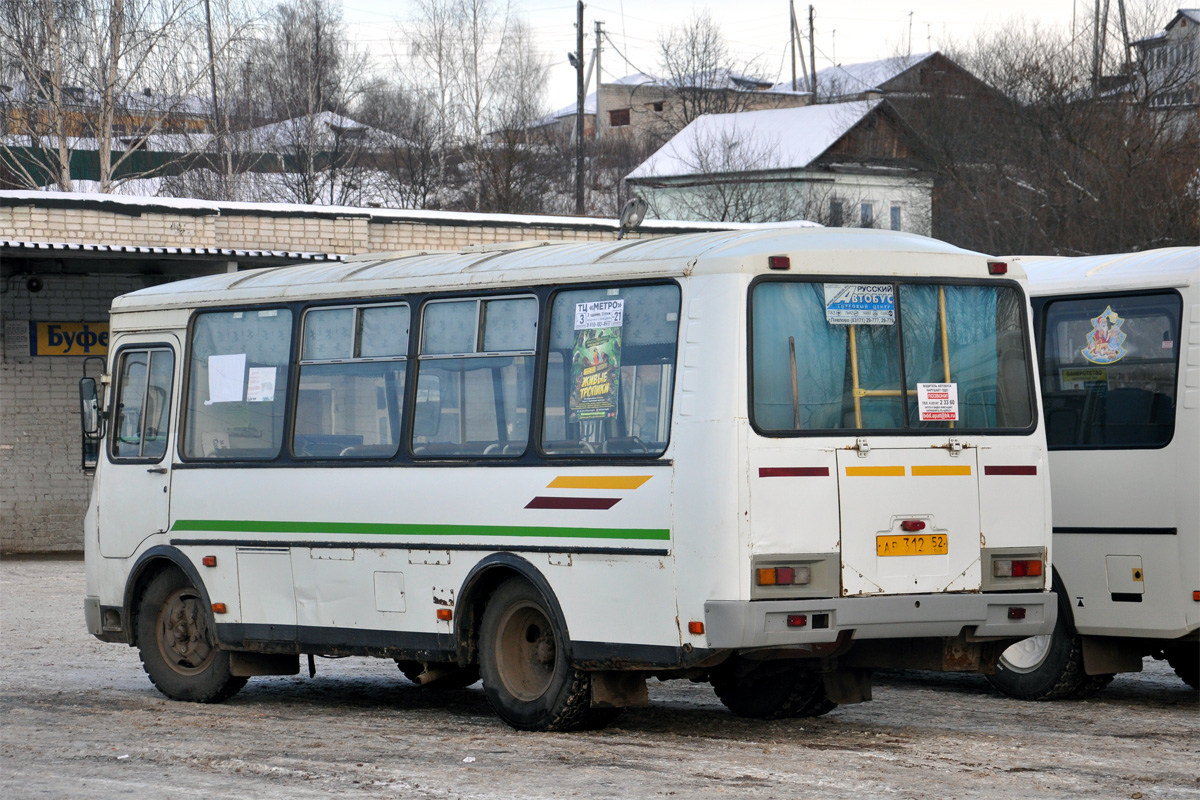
[836, 214]
[351, 391]
[655, 106]
[866, 215]
[618, 117]
[895, 218]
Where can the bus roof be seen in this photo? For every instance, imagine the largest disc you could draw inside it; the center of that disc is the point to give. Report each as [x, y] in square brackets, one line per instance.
[533, 262]
[1174, 267]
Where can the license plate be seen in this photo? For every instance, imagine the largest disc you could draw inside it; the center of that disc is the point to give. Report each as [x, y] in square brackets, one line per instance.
[926, 544]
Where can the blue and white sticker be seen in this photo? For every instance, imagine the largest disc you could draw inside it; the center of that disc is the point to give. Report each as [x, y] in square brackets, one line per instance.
[860, 304]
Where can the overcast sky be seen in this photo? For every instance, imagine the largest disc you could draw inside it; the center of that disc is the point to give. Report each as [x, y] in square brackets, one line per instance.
[847, 31]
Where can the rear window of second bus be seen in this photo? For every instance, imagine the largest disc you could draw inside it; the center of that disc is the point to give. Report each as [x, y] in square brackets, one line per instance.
[1109, 367]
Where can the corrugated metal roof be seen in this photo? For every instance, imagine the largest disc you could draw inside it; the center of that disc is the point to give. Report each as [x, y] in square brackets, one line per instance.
[130, 249]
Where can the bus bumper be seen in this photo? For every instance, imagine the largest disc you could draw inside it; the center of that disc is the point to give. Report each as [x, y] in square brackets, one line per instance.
[736, 624]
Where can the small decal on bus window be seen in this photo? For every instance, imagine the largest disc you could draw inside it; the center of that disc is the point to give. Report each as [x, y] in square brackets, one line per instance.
[860, 304]
[260, 386]
[1105, 340]
[600, 314]
[1082, 377]
[938, 402]
[226, 378]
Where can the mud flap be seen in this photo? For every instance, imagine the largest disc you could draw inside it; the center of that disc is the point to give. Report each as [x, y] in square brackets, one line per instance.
[1104, 655]
[611, 689]
[846, 686]
[247, 665]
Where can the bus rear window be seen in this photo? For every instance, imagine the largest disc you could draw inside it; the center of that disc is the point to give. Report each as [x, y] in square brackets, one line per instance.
[1109, 366]
[888, 356]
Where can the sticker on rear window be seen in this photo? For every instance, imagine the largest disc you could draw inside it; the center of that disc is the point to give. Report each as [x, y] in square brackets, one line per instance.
[938, 402]
[1105, 340]
[860, 304]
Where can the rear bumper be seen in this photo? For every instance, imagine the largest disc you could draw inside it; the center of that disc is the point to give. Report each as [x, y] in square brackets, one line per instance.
[736, 624]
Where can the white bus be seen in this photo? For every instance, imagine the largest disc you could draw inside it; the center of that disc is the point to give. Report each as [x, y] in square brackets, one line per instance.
[1119, 348]
[773, 460]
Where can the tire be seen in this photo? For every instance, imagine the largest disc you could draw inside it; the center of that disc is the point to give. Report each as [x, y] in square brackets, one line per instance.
[523, 662]
[176, 642]
[1050, 666]
[1185, 660]
[459, 678]
[772, 690]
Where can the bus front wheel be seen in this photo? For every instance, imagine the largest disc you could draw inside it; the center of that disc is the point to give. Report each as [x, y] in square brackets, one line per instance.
[177, 645]
[1050, 666]
[523, 662]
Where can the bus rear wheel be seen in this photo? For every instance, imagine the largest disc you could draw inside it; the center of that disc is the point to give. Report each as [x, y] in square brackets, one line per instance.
[1050, 666]
[1185, 660]
[523, 662]
[176, 642]
[772, 690]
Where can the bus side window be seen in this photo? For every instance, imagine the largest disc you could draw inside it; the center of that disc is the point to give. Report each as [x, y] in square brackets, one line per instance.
[475, 377]
[237, 384]
[610, 371]
[143, 404]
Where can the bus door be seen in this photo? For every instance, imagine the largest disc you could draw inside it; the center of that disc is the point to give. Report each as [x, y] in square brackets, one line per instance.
[134, 484]
[909, 520]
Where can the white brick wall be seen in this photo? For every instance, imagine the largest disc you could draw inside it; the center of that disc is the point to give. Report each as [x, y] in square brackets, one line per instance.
[43, 493]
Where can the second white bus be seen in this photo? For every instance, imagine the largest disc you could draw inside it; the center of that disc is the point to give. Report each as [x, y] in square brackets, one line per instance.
[773, 460]
[1119, 348]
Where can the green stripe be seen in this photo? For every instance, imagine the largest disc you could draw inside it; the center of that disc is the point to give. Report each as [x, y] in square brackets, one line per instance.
[393, 529]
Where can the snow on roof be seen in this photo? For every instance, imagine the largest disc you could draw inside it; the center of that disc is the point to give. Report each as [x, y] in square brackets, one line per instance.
[139, 205]
[851, 79]
[753, 141]
[127, 249]
[1167, 266]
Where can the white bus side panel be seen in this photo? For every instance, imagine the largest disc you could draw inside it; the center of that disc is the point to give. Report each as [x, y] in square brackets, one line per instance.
[346, 528]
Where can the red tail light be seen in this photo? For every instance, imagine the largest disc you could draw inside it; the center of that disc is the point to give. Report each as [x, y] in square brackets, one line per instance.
[797, 620]
[1017, 568]
[912, 525]
[997, 268]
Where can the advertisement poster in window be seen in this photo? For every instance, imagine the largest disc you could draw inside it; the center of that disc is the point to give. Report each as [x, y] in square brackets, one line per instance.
[596, 360]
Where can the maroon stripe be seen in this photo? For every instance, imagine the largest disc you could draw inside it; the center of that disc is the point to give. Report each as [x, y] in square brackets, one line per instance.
[595, 503]
[793, 472]
[1002, 470]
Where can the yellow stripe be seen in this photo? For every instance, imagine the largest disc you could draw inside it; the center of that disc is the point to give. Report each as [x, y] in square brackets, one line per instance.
[598, 481]
[875, 472]
[929, 471]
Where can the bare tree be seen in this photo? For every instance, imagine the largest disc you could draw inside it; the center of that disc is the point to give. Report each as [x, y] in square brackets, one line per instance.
[701, 74]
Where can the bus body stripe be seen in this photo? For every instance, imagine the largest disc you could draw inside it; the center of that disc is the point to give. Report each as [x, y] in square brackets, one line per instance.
[1009, 470]
[592, 503]
[875, 472]
[598, 481]
[793, 472]
[928, 471]
[400, 529]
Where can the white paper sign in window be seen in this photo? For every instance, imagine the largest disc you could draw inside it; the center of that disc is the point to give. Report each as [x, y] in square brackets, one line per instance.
[600, 314]
[226, 376]
[860, 304]
[260, 386]
[938, 402]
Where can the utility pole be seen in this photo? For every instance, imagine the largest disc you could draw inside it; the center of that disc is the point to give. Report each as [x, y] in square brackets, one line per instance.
[579, 97]
[812, 55]
[223, 167]
[599, 78]
[792, 31]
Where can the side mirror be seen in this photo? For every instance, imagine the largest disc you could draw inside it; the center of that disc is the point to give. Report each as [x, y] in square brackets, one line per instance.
[89, 416]
[89, 408]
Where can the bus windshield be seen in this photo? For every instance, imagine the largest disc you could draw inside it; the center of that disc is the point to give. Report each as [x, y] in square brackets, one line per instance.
[888, 356]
